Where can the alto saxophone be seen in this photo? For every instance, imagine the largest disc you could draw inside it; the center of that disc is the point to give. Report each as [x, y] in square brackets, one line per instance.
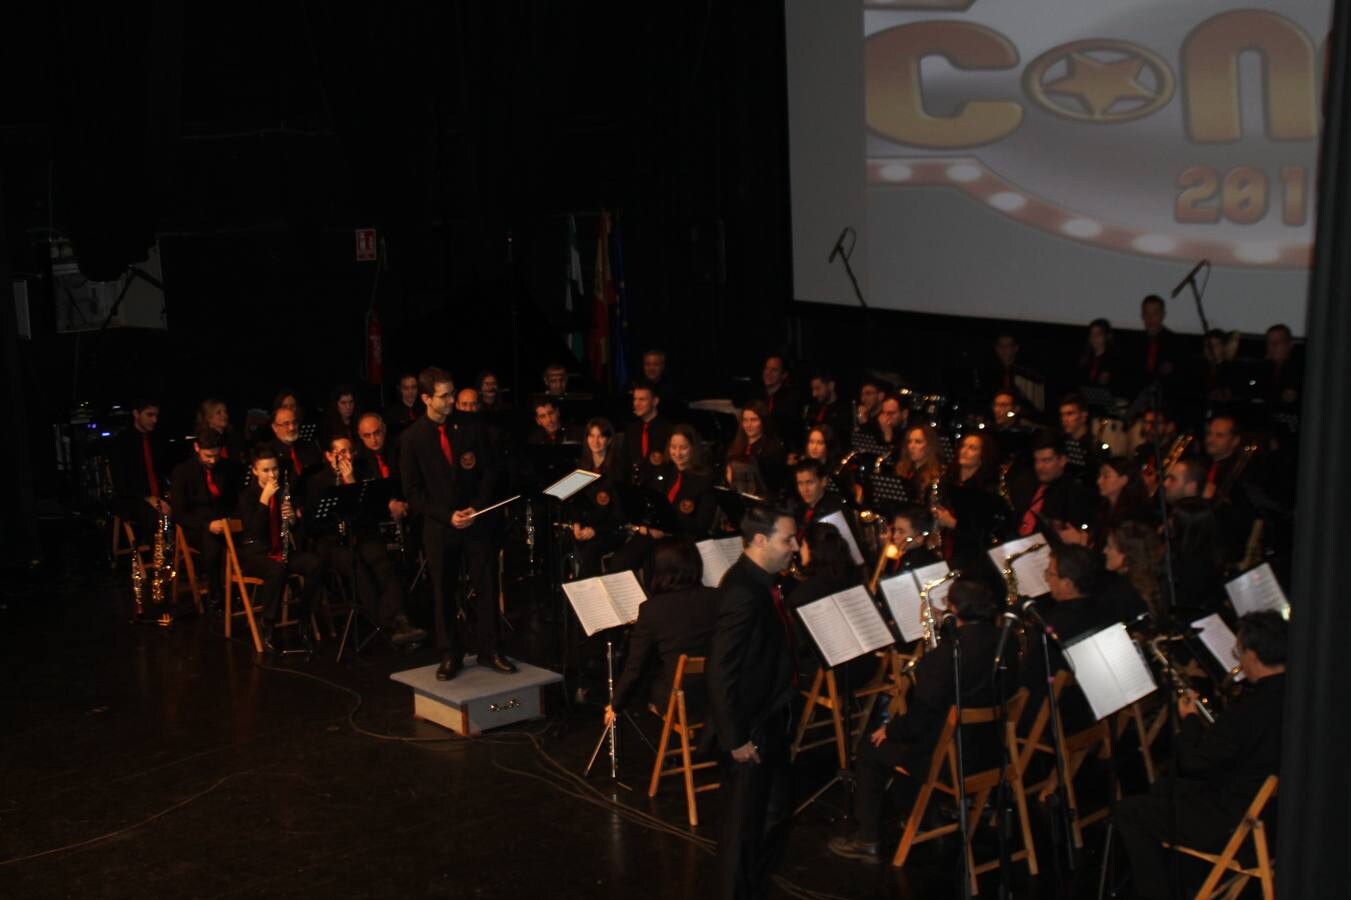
[1004, 481]
[1245, 456]
[1175, 452]
[926, 610]
[935, 536]
[1010, 576]
[161, 563]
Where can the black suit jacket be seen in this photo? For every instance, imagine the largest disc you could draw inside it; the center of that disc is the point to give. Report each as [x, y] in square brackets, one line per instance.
[434, 488]
[308, 455]
[194, 507]
[668, 625]
[1066, 500]
[255, 517]
[638, 466]
[127, 460]
[1235, 755]
[750, 667]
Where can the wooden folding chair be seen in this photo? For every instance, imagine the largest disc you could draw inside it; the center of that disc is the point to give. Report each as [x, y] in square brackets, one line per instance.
[677, 721]
[1226, 861]
[1134, 715]
[124, 540]
[826, 708]
[1075, 749]
[236, 582]
[979, 785]
[186, 570]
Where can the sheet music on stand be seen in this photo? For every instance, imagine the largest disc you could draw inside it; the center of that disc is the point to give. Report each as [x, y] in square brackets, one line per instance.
[607, 601]
[570, 484]
[1030, 569]
[1109, 669]
[842, 526]
[1219, 641]
[901, 593]
[719, 555]
[1257, 589]
[845, 626]
[938, 597]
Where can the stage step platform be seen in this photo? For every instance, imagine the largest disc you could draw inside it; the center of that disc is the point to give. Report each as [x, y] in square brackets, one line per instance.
[478, 698]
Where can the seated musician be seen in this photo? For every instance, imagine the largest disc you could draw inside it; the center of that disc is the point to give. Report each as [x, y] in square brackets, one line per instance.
[756, 439]
[646, 435]
[823, 446]
[910, 528]
[140, 482]
[1074, 575]
[1219, 769]
[826, 407]
[1198, 557]
[354, 547]
[814, 501]
[262, 512]
[1133, 554]
[1157, 426]
[549, 430]
[406, 408]
[656, 375]
[1184, 478]
[909, 740]
[596, 511]
[1012, 432]
[1231, 480]
[686, 482]
[1055, 495]
[972, 511]
[781, 400]
[1121, 498]
[1282, 375]
[1099, 361]
[340, 419]
[826, 568]
[297, 457]
[678, 617]
[871, 391]
[921, 464]
[204, 496]
[1082, 450]
[884, 432]
[214, 414]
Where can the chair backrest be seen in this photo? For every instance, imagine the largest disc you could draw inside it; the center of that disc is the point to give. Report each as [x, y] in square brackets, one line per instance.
[687, 665]
[1264, 795]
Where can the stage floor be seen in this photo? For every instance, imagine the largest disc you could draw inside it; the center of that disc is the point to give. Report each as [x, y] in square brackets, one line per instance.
[168, 763]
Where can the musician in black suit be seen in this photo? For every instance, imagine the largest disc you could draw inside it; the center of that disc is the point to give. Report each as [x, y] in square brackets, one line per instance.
[297, 457]
[596, 511]
[1219, 769]
[265, 514]
[1054, 494]
[826, 406]
[137, 461]
[645, 437]
[909, 740]
[750, 684]
[814, 502]
[204, 495]
[447, 475]
[677, 617]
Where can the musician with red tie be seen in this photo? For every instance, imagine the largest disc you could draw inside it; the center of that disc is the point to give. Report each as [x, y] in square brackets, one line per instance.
[204, 495]
[646, 435]
[140, 475]
[1057, 496]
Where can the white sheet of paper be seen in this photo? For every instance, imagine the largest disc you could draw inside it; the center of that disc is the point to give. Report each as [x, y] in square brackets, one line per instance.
[870, 629]
[830, 630]
[902, 596]
[591, 601]
[1030, 569]
[1218, 640]
[626, 594]
[837, 519]
[719, 555]
[1255, 590]
[929, 574]
[1109, 670]
[570, 483]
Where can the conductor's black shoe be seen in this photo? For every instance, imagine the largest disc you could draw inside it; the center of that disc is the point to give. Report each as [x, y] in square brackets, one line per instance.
[851, 848]
[269, 639]
[449, 668]
[498, 663]
[401, 632]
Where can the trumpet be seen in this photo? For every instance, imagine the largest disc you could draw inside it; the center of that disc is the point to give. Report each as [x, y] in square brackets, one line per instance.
[1010, 576]
[1179, 683]
[926, 610]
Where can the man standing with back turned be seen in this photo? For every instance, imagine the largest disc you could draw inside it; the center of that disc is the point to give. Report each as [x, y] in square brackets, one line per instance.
[750, 686]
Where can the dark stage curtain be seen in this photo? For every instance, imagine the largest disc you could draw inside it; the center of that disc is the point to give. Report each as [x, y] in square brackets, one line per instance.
[1315, 778]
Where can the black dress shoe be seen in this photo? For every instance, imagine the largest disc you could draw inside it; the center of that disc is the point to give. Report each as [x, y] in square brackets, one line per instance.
[269, 639]
[449, 668]
[498, 663]
[401, 632]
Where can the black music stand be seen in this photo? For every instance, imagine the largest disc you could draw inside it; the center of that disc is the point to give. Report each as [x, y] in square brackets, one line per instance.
[370, 506]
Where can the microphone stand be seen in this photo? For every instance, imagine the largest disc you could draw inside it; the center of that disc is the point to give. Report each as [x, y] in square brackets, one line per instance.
[1005, 820]
[1064, 836]
[844, 254]
[954, 638]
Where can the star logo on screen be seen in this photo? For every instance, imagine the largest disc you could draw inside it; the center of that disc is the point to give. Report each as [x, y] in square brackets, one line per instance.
[1100, 81]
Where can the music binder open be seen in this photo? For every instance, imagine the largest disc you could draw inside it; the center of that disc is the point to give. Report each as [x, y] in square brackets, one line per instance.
[1219, 641]
[901, 593]
[1109, 669]
[719, 555]
[570, 484]
[1030, 568]
[607, 601]
[1257, 589]
[845, 626]
[842, 526]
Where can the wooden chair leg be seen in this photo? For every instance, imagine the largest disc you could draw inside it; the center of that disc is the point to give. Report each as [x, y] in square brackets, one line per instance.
[1259, 834]
[662, 744]
[833, 694]
[912, 825]
[1148, 758]
[808, 713]
[1020, 800]
[685, 762]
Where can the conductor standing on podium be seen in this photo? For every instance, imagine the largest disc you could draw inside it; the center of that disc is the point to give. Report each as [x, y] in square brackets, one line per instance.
[750, 686]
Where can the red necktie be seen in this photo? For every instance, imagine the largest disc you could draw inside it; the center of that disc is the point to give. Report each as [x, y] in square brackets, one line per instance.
[1211, 473]
[384, 469]
[645, 425]
[787, 627]
[224, 452]
[274, 530]
[149, 465]
[1152, 357]
[1008, 378]
[806, 520]
[1029, 523]
[821, 414]
[445, 445]
[771, 403]
[295, 459]
[211, 485]
[675, 488]
[1093, 370]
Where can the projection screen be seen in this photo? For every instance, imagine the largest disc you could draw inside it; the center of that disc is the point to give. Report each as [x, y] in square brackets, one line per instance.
[1057, 160]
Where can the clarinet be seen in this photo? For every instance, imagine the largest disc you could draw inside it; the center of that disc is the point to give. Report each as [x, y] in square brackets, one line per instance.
[285, 523]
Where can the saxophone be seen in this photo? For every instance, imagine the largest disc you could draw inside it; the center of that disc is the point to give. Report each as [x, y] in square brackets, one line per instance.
[161, 564]
[137, 582]
[926, 610]
[935, 536]
[1010, 576]
[1004, 481]
[1175, 453]
[1235, 473]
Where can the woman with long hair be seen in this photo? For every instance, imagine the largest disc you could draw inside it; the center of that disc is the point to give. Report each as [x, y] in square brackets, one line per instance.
[1098, 363]
[687, 484]
[755, 439]
[1133, 555]
[214, 414]
[340, 418]
[597, 515]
